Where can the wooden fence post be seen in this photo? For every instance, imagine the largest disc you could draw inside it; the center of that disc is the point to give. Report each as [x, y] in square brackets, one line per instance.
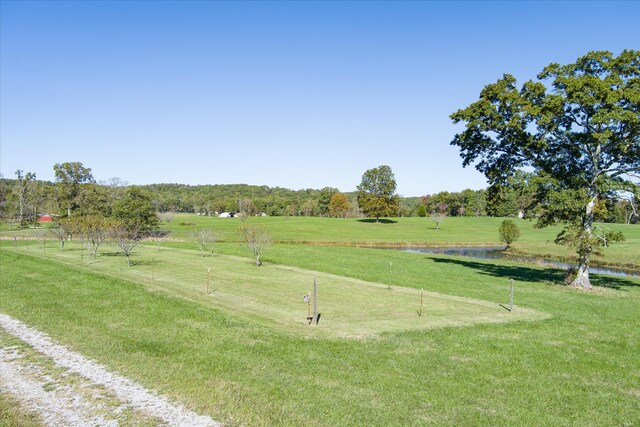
[315, 300]
[511, 295]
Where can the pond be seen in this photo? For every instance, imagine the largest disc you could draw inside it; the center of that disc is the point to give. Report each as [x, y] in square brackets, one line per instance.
[497, 252]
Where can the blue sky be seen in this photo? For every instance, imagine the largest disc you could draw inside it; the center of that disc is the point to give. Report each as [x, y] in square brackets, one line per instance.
[289, 94]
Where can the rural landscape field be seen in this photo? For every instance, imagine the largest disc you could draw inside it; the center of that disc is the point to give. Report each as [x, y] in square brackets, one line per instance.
[230, 340]
[319, 213]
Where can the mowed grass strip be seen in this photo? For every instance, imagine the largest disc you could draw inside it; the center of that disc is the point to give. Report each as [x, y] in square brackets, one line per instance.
[273, 294]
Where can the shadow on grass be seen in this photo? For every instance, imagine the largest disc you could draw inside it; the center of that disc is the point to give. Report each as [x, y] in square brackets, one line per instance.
[547, 275]
[134, 258]
[380, 221]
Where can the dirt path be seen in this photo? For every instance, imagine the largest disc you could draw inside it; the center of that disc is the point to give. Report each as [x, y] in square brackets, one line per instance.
[67, 389]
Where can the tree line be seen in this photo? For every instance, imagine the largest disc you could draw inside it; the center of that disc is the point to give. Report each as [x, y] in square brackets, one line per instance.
[25, 198]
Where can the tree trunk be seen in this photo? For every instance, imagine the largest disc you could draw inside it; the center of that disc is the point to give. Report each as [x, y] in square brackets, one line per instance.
[21, 200]
[585, 246]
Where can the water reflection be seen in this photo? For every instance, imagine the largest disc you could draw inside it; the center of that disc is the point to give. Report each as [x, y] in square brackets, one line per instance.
[497, 252]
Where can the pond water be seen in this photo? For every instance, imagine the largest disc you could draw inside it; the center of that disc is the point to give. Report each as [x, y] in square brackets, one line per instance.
[497, 252]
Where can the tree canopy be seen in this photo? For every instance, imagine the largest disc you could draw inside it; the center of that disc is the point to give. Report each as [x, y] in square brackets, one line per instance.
[339, 206]
[580, 131]
[135, 211]
[69, 176]
[376, 193]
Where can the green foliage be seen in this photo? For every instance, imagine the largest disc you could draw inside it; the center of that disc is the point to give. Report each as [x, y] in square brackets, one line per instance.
[339, 206]
[465, 203]
[93, 199]
[509, 232]
[21, 190]
[602, 237]
[135, 211]
[224, 198]
[376, 193]
[583, 134]
[69, 177]
[324, 199]
[422, 211]
[586, 129]
[93, 228]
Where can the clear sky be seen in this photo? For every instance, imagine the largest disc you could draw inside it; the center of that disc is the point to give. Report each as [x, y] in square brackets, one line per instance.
[289, 94]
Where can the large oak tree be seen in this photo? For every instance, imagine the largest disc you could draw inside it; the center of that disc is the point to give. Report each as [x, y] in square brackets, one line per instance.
[578, 126]
[376, 193]
[69, 177]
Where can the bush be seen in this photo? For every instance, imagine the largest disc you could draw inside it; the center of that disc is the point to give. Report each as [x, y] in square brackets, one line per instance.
[509, 232]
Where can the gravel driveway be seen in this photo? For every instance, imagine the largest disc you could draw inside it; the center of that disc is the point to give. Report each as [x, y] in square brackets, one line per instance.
[67, 389]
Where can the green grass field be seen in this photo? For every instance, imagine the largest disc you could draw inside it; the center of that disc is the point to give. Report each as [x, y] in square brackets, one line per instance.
[244, 355]
[410, 231]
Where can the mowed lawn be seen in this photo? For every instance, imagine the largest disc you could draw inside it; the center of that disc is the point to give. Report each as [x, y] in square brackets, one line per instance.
[273, 294]
[242, 354]
[410, 231]
[413, 231]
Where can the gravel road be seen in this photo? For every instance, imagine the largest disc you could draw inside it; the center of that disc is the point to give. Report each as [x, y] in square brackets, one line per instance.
[77, 391]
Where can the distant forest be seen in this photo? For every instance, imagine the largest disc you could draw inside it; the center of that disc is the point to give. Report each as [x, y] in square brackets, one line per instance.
[45, 197]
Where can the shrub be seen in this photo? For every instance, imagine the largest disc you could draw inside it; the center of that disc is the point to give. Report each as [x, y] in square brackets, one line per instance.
[509, 232]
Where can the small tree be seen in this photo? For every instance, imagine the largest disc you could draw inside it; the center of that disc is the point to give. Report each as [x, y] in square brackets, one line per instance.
[422, 211]
[62, 230]
[437, 218]
[158, 236]
[309, 207]
[59, 233]
[42, 236]
[339, 206]
[247, 207]
[125, 238]
[96, 229]
[509, 232]
[202, 238]
[165, 216]
[324, 200]
[257, 239]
